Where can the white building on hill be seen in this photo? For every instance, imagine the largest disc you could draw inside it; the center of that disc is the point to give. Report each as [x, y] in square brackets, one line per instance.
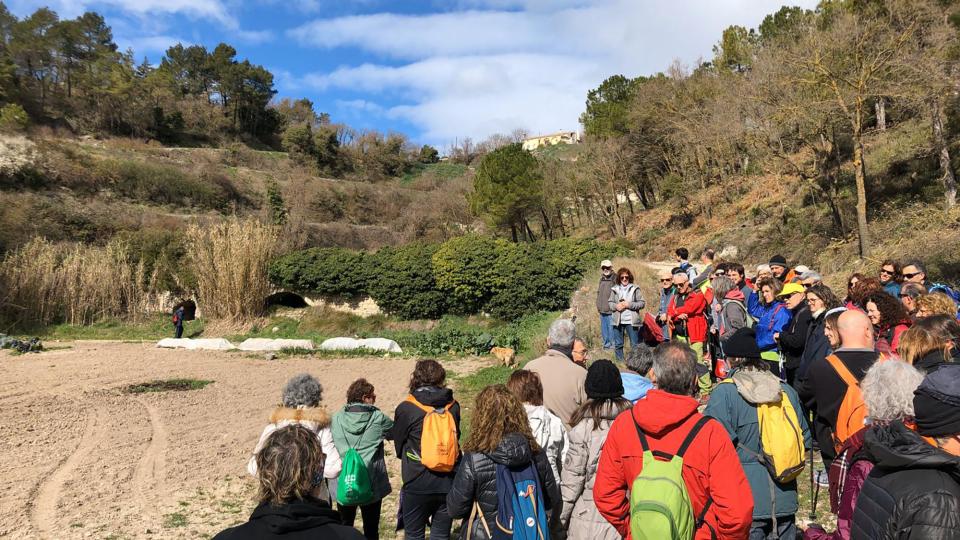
[561, 137]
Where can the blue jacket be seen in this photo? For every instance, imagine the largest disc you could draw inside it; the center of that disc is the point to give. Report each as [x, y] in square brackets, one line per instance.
[738, 414]
[635, 386]
[893, 289]
[770, 320]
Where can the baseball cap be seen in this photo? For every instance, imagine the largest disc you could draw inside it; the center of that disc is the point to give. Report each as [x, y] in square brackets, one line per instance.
[606, 262]
[791, 288]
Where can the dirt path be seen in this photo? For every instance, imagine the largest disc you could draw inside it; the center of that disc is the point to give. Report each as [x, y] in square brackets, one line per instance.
[81, 459]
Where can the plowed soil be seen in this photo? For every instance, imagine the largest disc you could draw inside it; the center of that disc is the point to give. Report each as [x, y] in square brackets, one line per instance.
[81, 459]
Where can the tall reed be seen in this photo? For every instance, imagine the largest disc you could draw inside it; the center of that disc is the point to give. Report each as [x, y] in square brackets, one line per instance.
[44, 283]
[230, 260]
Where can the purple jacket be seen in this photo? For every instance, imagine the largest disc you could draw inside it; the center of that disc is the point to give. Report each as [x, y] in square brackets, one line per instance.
[846, 480]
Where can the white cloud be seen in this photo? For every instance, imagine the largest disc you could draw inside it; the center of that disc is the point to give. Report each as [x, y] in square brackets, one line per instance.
[199, 9]
[506, 64]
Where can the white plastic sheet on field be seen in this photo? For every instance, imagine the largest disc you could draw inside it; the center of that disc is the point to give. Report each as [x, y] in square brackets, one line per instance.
[370, 344]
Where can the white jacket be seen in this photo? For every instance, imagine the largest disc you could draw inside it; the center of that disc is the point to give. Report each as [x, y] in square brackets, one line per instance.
[316, 420]
[550, 434]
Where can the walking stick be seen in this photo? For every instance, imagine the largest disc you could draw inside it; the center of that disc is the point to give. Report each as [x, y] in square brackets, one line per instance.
[814, 489]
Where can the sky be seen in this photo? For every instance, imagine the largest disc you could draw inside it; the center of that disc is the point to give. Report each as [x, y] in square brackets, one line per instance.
[438, 71]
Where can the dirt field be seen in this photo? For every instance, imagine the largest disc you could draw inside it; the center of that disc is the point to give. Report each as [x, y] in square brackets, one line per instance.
[81, 459]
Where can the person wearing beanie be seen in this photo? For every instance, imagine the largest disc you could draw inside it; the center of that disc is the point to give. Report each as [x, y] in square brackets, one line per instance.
[778, 265]
[734, 403]
[913, 490]
[590, 425]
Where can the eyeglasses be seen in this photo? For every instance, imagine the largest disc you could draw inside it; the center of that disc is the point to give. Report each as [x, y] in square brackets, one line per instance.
[912, 275]
[606, 268]
[668, 280]
[624, 278]
[808, 285]
[887, 272]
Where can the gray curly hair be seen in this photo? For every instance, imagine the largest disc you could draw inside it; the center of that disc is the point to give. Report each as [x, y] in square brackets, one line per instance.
[888, 390]
[302, 390]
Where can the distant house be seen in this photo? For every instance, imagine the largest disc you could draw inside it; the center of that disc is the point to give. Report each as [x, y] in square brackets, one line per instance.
[561, 137]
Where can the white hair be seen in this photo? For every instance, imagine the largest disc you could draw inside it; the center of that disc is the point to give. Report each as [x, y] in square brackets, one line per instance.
[763, 268]
[562, 333]
[888, 390]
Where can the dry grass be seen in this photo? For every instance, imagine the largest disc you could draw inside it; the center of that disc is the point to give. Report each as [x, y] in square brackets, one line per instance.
[44, 283]
[230, 260]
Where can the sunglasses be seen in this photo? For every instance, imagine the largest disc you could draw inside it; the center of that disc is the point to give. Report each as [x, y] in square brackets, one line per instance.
[624, 277]
[606, 268]
[887, 272]
[668, 280]
[912, 275]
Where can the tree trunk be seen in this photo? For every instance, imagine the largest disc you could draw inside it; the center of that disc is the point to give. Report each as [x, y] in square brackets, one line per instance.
[513, 232]
[943, 152]
[881, 110]
[547, 229]
[860, 174]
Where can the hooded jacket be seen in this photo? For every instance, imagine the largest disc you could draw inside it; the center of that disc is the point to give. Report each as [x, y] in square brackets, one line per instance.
[550, 434]
[770, 319]
[476, 481]
[298, 520]
[364, 427]
[406, 433]
[931, 361]
[733, 314]
[603, 293]
[735, 406]
[793, 337]
[317, 420]
[634, 296]
[710, 465]
[580, 517]
[694, 306]
[635, 386]
[912, 491]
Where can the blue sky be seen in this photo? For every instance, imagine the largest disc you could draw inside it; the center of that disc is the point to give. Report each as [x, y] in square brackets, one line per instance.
[435, 70]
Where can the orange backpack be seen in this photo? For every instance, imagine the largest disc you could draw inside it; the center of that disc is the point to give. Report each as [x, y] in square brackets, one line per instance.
[439, 448]
[853, 411]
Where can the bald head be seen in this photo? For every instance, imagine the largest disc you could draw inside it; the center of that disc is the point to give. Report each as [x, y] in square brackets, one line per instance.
[855, 329]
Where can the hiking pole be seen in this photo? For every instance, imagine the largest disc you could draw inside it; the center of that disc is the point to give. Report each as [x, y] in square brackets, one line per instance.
[814, 489]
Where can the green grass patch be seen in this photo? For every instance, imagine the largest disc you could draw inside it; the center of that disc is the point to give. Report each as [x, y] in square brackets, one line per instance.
[441, 171]
[153, 328]
[169, 385]
[175, 520]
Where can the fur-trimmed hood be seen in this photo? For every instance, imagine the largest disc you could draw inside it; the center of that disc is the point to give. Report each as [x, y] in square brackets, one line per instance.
[317, 416]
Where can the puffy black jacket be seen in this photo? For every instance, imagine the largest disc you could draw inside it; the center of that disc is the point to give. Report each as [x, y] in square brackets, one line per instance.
[816, 345]
[406, 433]
[298, 520]
[477, 481]
[911, 493]
[794, 336]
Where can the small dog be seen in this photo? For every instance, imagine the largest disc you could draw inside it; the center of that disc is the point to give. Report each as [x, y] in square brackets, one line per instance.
[506, 355]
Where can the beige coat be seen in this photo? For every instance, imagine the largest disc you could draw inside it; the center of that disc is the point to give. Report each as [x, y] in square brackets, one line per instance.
[562, 382]
[580, 516]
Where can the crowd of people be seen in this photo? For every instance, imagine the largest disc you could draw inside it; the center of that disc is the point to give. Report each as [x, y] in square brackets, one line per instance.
[729, 387]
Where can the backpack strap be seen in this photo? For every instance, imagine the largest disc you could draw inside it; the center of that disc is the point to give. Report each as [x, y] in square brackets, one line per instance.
[842, 370]
[690, 436]
[773, 318]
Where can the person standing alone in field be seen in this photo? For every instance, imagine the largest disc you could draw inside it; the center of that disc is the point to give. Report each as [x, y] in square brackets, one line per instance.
[607, 281]
[178, 322]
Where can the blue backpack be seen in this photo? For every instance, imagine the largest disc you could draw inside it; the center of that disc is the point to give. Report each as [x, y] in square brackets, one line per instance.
[520, 511]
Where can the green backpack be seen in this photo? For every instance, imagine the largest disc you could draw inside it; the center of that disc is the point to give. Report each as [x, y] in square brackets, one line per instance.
[354, 487]
[660, 506]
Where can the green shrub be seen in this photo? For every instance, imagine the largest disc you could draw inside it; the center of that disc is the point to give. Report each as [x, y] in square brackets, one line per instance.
[13, 118]
[162, 184]
[404, 285]
[330, 271]
[465, 269]
[454, 336]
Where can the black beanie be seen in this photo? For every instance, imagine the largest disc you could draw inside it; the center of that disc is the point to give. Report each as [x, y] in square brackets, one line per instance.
[936, 402]
[603, 381]
[742, 344]
[778, 260]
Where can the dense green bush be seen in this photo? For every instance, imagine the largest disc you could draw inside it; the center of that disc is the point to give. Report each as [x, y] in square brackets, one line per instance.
[331, 271]
[13, 118]
[466, 275]
[453, 336]
[163, 184]
[403, 284]
[465, 269]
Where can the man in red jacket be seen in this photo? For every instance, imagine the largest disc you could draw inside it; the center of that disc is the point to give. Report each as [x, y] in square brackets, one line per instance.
[688, 322]
[711, 468]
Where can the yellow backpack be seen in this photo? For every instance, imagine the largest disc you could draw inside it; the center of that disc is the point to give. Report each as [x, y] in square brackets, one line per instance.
[781, 439]
[439, 448]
